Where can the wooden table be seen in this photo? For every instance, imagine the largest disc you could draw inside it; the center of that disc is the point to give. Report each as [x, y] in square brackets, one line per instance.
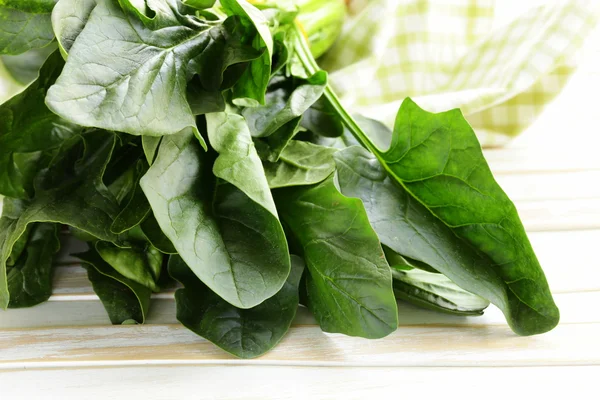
[66, 349]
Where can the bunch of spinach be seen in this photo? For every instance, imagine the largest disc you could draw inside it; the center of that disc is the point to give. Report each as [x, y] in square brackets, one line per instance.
[199, 142]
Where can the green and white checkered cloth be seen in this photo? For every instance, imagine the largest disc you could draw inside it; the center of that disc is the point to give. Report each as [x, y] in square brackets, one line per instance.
[444, 54]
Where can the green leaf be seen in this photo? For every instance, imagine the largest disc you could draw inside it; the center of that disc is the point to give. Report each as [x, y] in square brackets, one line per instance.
[25, 25]
[301, 163]
[245, 333]
[285, 101]
[233, 244]
[238, 162]
[323, 120]
[436, 292]
[349, 284]
[199, 4]
[150, 145]
[444, 208]
[138, 265]
[132, 78]
[137, 207]
[68, 20]
[123, 299]
[25, 68]
[401, 262]
[80, 188]
[250, 89]
[281, 138]
[27, 127]
[30, 279]
[156, 237]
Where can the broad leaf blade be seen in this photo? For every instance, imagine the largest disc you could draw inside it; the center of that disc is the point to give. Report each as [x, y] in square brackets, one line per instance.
[301, 163]
[30, 279]
[436, 292]
[245, 333]
[68, 20]
[232, 243]
[25, 25]
[349, 283]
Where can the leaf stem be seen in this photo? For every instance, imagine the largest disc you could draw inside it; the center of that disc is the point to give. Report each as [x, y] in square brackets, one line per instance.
[308, 61]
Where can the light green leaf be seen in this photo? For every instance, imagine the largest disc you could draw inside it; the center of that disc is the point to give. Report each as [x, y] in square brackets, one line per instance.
[301, 163]
[233, 244]
[245, 333]
[238, 162]
[436, 292]
[349, 283]
[68, 20]
[138, 265]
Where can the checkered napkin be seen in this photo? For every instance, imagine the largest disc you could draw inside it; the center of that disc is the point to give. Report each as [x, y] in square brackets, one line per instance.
[444, 54]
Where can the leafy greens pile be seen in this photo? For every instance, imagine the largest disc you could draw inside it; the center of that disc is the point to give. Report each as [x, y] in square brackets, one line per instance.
[201, 142]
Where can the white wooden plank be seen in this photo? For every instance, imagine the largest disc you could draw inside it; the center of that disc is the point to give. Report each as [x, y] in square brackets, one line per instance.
[575, 308]
[274, 382]
[409, 346]
[555, 215]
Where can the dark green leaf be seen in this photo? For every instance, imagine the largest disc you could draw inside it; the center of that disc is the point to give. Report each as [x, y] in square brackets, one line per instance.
[123, 299]
[68, 20]
[202, 101]
[233, 244]
[28, 127]
[30, 279]
[156, 237]
[245, 333]
[81, 189]
[323, 120]
[301, 163]
[285, 101]
[132, 77]
[136, 209]
[349, 283]
[139, 265]
[251, 87]
[436, 292]
[441, 205]
[25, 25]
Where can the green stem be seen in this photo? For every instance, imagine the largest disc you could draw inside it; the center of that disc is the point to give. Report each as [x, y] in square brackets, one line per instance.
[311, 66]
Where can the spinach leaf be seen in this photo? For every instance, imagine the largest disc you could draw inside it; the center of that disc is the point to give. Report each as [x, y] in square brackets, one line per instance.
[301, 163]
[142, 266]
[137, 207]
[234, 245]
[445, 217]
[285, 101]
[401, 262]
[323, 120]
[436, 292]
[238, 162]
[81, 188]
[25, 25]
[250, 89]
[245, 333]
[30, 278]
[150, 145]
[25, 68]
[349, 283]
[27, 128]
[132, 78]
[199, 4]
[156, 237]
[68, 20]
[124, 300]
